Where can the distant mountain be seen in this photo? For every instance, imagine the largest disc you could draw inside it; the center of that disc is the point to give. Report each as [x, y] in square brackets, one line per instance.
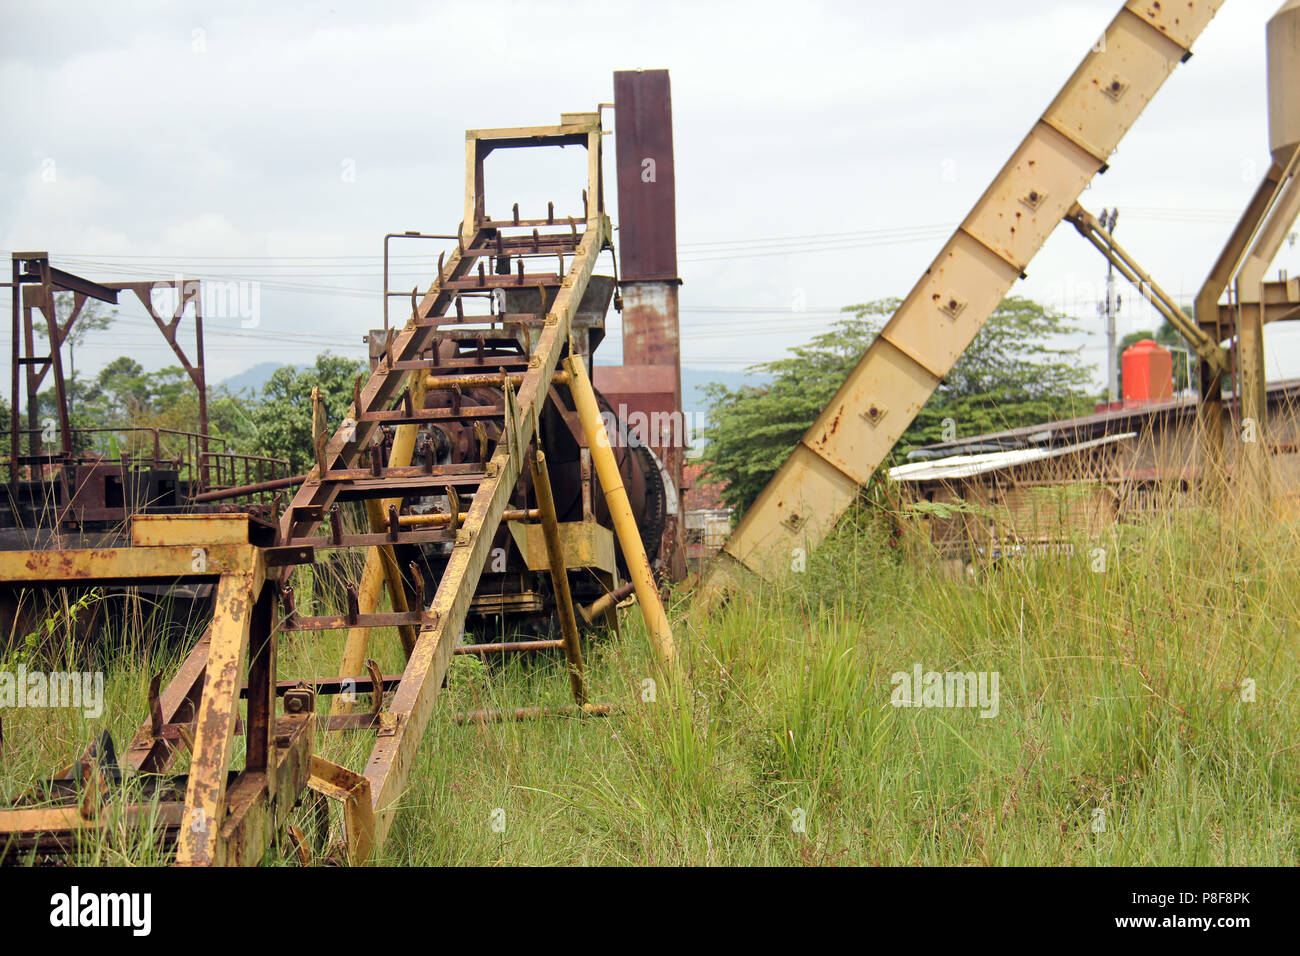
[695, 379]
[253, 378]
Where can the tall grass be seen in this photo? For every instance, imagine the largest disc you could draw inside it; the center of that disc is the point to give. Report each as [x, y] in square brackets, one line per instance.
[1121, 691]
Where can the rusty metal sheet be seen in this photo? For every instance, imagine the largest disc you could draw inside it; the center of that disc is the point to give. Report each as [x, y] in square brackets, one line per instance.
[647, 189]
[163, 530]
[586, 544]
[650, 329]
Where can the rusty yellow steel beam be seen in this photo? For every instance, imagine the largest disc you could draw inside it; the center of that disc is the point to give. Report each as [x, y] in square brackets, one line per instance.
[629, 536]
[1248, 313]
[402, 727]
[220, 821]
[439, 519]
[1091, 229]
[434, 382]
[258, 803]
[65, 826]
[559, 576]
[606, 603]
[381, 566]
[352, 791]
[89, 566]
[162, 530]
[1208, 316]
[214, 734]
[1025, 202]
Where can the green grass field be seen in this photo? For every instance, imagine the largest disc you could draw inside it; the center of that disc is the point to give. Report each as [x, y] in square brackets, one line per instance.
[1121, 691]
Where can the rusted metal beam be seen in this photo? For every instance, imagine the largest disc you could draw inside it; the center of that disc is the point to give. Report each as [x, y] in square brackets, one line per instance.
[508, 647]
[239, 491]
[629, 537]
[74, 283]
[1091, 229]
[559, 576]
[412, 704]
[205, 796]
[532, 713]
[434, 382]
[124, 564]
[602, 605]
[352, 790]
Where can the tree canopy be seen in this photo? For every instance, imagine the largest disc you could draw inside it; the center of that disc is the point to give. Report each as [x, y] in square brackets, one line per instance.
[275, 422]
[1014, 373]
[282, 418]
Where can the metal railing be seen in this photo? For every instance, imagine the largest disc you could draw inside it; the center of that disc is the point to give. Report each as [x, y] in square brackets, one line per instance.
[226, 470]
[202, 462]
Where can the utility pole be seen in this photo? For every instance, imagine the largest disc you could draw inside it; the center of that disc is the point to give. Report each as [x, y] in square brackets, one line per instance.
[1108, 310]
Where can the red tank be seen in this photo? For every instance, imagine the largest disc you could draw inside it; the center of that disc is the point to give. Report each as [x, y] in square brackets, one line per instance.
[1148, 373]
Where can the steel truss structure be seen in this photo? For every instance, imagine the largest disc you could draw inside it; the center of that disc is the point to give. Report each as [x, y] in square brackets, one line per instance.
[538, 361]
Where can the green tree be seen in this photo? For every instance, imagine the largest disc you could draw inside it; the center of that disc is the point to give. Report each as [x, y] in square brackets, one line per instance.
[95, 316]
[1013, 374]
[282, 418]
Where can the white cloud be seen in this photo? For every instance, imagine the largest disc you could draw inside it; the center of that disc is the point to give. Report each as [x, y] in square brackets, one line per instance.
[789, 120]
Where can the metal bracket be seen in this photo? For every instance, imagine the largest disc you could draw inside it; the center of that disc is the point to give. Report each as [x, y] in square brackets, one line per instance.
[1033, 199]
[1116, 88]
[952, 306]
[794, 521]
[873, 414]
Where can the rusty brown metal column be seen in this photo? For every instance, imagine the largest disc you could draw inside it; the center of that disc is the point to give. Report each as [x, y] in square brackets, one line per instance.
[15, 424]
[200, 376]
[32, 381]
[647, 214]
[56, 358]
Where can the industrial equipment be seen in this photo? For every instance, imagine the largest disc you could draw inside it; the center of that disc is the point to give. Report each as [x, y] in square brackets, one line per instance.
[472, 447]
[479, 455]
[1037, 188]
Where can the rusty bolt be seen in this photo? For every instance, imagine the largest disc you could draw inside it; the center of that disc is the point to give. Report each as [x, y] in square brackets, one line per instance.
[299, 700]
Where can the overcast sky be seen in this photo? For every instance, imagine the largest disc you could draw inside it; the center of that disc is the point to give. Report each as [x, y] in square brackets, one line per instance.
[276, 144]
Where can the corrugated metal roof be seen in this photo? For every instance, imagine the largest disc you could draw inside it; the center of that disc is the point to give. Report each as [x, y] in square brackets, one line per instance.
[964, 466]
[1086, 426]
